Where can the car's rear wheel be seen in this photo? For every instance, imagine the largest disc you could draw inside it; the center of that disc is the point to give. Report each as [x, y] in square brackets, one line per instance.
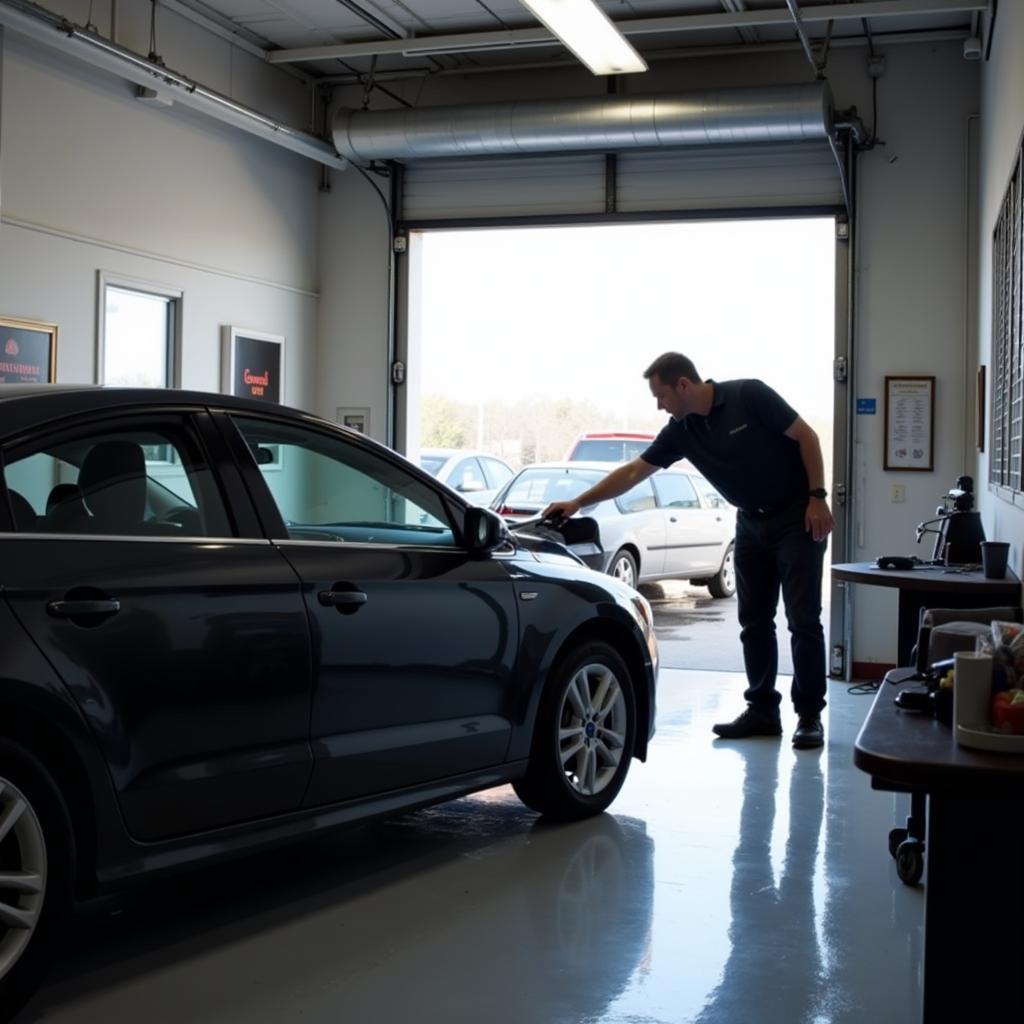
[724, 583]
[36, 860]
[583, 737]
[623, 567]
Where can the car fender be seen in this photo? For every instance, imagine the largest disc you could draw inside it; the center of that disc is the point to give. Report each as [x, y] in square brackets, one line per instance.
[38, 712]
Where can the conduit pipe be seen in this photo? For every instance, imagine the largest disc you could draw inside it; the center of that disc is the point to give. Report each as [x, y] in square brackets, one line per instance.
[788, 113]
[30, 20]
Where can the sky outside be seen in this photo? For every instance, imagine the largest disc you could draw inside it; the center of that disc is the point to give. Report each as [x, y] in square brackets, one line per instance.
[580, 312]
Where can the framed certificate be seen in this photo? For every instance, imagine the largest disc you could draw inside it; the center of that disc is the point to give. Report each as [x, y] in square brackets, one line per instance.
[28, 351]
[910, 423]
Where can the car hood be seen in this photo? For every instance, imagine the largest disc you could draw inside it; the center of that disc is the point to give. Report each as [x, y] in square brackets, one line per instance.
[574, 541]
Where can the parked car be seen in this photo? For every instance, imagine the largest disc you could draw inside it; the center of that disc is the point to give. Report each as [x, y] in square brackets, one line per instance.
[475, 475]
[674, 525]
[228, 624]
[608, 446]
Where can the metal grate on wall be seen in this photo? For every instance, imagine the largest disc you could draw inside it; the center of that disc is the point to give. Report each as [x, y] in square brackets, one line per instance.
[1005, 460]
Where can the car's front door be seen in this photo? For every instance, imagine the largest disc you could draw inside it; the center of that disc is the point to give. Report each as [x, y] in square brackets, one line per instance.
[695, 536]
[185, 645]
[415, 640]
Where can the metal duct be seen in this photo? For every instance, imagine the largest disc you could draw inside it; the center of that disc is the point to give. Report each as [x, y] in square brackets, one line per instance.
[784, 113]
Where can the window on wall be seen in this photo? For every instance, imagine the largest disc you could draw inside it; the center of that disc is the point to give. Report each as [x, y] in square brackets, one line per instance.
[138, 335]
[1007, 341]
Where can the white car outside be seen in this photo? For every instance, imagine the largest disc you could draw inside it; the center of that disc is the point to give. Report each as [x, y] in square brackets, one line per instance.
[477, 476]
[674, 525]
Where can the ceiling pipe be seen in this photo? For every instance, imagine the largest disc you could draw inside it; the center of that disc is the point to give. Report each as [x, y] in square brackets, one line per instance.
[467, 42]
[786, 113]
[802, 34]
[28, 19]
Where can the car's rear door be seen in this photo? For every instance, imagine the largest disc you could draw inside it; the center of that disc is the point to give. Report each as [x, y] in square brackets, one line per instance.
[644, 523]
[696, 536]
[415, 640]
[135, 564]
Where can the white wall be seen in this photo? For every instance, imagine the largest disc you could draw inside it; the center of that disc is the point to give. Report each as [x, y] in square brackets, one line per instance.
[90, 179]
[911, 271]
[1002, 120]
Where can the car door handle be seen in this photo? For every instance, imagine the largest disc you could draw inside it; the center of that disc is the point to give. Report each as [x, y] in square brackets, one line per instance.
[75, 609]
[344, 600]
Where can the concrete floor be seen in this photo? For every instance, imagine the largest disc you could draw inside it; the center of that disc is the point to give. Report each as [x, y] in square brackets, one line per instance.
[740, 883]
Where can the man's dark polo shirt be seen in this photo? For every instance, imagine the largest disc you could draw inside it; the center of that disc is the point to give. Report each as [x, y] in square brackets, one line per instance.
[740, 447]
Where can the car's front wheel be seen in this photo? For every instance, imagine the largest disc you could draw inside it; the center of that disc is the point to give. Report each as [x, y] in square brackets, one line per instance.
[623, 567]
[35, 873]
[583, 737]
[724, 583]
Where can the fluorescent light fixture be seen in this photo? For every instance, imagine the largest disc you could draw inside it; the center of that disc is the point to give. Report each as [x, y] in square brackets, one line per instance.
[586, 30]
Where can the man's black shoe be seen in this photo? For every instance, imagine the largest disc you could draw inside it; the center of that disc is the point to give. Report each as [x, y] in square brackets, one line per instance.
[809, 733]
[751, 723]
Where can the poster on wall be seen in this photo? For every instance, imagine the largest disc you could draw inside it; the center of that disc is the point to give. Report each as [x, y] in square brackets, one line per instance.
[253, 364]
[28, 351]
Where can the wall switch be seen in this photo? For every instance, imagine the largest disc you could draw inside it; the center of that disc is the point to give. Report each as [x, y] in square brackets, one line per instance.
[899, 493]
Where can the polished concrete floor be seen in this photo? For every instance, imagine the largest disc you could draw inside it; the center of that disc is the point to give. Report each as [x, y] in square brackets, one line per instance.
[731, 882]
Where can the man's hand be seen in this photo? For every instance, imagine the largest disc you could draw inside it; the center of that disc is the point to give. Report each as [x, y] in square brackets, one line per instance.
[818, 519]
[560, 510]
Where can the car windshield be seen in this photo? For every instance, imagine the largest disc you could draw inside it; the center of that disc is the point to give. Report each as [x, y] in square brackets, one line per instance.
[537, 487]
[432, 463]
[609, 450]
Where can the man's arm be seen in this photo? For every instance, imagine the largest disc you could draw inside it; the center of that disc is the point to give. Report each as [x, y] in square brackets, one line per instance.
[818, 518]
[617, 482]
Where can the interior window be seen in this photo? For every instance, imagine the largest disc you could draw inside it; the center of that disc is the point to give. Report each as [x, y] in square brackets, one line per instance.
[103, 483]
[675, 491]
[329, 489]
[638, 499]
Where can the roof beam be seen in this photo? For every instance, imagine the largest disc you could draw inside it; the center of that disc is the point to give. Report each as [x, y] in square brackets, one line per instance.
[467, 42]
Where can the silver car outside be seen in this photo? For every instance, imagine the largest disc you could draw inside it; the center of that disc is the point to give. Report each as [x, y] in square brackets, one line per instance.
[673, 525]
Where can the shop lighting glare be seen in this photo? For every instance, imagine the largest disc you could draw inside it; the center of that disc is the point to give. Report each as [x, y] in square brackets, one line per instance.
[586, 30]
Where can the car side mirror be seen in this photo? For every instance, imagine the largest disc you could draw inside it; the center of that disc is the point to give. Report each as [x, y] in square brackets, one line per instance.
[484, 530]
[470, 487]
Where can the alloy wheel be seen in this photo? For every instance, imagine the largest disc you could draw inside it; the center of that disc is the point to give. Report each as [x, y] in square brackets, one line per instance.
[22, 874]
[592, 729]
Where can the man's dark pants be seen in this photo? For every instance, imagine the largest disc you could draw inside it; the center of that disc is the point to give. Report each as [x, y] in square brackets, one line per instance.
[773, 552]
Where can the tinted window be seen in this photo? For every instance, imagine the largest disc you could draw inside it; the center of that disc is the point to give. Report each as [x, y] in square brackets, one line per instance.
[637, 499]
[675, 491]
[609, 450]
[538, 487]
[107, 483]
[330, 489]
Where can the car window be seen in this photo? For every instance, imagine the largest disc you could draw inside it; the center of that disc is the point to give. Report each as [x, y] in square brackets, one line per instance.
[433, 463]
[467, 476]
[637, 499]
[711, 497]
[107, 483]
[675, 490]
[328, 488]
[609, 450]
[498, 474]
[538, 487]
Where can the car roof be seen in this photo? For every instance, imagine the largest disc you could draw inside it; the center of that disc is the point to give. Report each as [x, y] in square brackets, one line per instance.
[29, 405]
[613, 435]
[605, 467]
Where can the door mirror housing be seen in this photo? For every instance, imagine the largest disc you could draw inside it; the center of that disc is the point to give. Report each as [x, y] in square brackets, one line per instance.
[484, 530]
[471, 486]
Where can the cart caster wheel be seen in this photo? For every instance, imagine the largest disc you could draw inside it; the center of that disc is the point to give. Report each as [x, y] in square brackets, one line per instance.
[896, 836]
[910, 861]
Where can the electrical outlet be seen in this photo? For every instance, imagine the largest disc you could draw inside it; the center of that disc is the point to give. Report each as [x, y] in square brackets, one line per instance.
[899, 493]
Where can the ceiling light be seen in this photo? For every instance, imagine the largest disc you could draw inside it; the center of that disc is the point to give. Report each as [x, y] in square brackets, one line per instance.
[586, 30]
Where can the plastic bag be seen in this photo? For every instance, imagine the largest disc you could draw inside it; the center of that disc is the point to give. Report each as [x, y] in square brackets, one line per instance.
[1005, 643]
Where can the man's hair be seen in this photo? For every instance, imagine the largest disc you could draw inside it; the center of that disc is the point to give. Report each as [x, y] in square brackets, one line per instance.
[668, 368]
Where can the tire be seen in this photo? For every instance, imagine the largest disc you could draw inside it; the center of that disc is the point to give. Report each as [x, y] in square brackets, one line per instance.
[581, 750]
[623, 567]
[37, 851]
[724, 583]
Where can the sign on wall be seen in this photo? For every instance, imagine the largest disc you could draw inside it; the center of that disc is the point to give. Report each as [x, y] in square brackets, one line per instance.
[28, 351]
[253, 364]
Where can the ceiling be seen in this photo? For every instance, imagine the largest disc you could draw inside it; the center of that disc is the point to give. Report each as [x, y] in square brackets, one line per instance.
[416, 37]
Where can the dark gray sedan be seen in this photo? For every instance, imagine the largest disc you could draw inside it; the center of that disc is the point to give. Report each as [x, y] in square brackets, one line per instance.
[227, 624]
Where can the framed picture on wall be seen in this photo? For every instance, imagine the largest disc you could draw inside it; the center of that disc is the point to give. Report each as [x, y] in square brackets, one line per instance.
[28, 351]
[252, 364]
[910, 423]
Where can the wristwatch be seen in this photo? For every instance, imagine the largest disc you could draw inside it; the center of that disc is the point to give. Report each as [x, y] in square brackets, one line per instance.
[817, 492]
